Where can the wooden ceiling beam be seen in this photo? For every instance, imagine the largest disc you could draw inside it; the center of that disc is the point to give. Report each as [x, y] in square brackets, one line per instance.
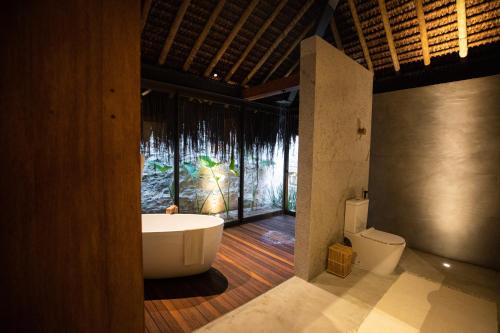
[203, 35]
[231, 36]
[271, 88]
[325, 19]
[292, 69]
[257, 36]
[145, 12]
[278, 40]
[388, 34]
[423, 32]
[462, 29]
[336, 35]
[361, 36]
[173, 31]
[290, 50]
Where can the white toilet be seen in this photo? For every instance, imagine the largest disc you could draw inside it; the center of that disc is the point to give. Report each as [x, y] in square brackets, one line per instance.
[374, 250]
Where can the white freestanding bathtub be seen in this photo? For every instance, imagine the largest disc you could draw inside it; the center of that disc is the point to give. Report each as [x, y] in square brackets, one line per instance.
[169, 241]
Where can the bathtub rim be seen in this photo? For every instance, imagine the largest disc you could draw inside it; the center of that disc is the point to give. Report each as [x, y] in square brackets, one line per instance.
[177, 226]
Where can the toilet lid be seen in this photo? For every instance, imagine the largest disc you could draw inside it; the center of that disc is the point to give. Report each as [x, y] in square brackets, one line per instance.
[382, 237]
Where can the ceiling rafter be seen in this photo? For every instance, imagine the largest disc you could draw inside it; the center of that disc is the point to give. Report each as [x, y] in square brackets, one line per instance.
[336, 35]
[289, 51]
[257, 36]
[388, 34]
[145, 12]
[292, 69]
[173, 31]
[423, 32]
[201, 37]
[462, 28]
[248, 11]
[278, 40]
[326, 17]
[361, 36]
[271, 88]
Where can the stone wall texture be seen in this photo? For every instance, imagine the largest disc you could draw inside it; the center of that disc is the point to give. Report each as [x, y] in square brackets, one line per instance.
[335, 103]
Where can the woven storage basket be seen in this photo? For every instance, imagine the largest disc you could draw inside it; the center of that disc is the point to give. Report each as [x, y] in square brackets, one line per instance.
[339, 259]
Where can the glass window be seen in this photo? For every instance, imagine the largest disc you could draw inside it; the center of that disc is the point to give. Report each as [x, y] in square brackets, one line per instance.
[209, 159]
[264, 158]
[208, 137]
[158, 135]
[293, 161]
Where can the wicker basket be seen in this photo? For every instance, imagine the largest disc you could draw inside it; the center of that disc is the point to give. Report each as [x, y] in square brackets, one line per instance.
[339, 259]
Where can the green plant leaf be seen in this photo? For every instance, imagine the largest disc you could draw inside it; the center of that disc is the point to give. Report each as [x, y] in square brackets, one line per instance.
[151, 164]
[191, 169]
[164, 168]
[157, 166]
[206, 161]
[232, 167]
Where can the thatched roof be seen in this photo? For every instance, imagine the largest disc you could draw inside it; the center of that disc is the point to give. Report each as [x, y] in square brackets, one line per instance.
[206, 123]
[180, 23]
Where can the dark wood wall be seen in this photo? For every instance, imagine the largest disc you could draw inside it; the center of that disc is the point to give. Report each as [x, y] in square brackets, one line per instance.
[70, 238]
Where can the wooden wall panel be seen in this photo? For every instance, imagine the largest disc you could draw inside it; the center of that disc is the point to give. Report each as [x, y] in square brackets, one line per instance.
[70, 238]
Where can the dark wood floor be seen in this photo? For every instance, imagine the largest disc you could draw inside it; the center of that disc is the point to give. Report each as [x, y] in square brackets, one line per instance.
[252, 259]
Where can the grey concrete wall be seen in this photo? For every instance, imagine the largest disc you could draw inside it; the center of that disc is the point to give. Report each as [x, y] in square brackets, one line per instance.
[435, 168]
[335, 101]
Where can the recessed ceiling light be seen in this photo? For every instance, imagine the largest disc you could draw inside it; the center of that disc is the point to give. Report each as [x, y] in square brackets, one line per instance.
[216, 75]
[445, 264]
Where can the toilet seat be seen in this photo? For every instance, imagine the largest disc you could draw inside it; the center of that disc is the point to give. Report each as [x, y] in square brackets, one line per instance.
[382, 237]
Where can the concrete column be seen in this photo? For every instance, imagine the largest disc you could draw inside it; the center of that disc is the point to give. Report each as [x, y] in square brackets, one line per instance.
[334, 148]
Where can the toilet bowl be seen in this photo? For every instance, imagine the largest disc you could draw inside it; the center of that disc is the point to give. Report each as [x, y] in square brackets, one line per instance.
[373, 250]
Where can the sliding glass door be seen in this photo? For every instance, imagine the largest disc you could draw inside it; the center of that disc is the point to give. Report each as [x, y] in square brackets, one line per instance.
[217, 158]
[209, 158]
[264, 158]
[158, 137]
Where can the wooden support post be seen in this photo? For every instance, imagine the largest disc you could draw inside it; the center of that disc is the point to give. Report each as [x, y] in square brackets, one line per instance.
[278, 40]
[231, 36]
[361, 36]
[177, 122]
[257, 36]
[423, 32]
[241, 151]
[286, 160]
[462, 28]
[201, 37]
[70, 130]
[388, 34]
[173, 31]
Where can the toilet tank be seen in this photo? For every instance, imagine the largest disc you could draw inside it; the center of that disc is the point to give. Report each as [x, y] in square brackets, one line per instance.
[356, 215]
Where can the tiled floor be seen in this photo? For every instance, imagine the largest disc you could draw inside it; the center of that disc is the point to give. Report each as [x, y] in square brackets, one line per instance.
[422, 295]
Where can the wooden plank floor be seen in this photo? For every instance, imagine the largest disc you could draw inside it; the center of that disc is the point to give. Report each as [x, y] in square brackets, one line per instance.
[252, 259]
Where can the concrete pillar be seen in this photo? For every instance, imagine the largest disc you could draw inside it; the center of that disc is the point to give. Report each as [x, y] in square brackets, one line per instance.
[334, 148]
